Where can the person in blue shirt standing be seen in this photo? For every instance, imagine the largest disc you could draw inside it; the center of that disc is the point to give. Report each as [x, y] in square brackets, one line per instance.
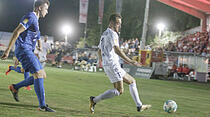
[25, 37]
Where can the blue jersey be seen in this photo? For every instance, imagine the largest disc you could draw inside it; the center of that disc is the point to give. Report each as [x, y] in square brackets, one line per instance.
[27, 39]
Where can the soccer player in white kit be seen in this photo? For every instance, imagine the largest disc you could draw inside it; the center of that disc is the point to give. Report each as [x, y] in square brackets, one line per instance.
[109, 52]
[43, 51]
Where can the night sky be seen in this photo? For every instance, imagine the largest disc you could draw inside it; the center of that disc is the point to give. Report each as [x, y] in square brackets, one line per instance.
[67, 11]
[60, 12]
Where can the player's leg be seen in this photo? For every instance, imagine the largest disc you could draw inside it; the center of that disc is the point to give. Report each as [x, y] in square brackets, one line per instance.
[31, 63]
[118, 89]
[117, 81]
[40, 91]
[134, 92]
[15, 87]
[39, 87]
[23, 58]
[27, 75]
[39, 75]
[28, 80]
[17, 69]
[8, 70]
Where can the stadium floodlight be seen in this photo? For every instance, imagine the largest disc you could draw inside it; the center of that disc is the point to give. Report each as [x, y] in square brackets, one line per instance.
[160, 27]
[66, 29]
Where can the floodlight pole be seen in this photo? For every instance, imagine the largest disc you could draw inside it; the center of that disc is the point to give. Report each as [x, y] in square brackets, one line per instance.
[159, 35]
[145, 27]
[85, 32]
[66, 38]
[101, 28]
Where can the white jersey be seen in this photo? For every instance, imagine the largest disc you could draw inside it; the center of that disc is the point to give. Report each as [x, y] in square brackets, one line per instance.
[108, 40]
[45, 48]
[43, 54]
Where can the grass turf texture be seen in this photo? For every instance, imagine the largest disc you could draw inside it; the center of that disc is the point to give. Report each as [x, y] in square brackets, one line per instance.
[68, 93]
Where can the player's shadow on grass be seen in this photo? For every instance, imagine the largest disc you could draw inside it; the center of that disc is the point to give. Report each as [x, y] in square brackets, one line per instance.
[15, 105]
[32, 107]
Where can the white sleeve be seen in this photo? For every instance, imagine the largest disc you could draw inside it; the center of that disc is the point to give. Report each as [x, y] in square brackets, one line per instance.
[114, 40]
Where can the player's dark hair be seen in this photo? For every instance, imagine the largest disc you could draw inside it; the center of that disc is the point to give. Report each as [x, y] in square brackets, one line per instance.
[114, 17]
[38, 3]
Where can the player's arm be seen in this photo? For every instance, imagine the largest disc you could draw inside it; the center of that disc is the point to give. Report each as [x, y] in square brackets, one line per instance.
[49, 49]
[99, 55]
[36, 51]
[119, 52]
[14, 37]
[39, 45]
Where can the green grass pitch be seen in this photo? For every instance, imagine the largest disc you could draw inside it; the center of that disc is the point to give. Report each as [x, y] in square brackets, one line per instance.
[68, 93]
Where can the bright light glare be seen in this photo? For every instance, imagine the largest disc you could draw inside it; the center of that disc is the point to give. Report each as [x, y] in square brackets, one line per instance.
[160, 26]
[66, 29]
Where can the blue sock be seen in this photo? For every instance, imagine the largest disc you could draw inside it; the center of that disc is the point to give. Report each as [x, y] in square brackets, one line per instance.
[17, 69]
[39, 89]
[24, 83]
[11, 67]
[26, 75]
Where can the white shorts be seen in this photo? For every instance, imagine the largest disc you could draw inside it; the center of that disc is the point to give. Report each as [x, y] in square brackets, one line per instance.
[115, 73]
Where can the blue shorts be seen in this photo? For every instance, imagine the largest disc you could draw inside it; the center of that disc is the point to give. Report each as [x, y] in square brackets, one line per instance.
[29, 60]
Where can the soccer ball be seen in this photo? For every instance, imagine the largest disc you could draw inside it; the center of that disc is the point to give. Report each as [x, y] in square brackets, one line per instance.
[170, 106]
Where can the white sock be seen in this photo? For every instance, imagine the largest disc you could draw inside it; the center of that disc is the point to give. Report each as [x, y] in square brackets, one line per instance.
[135, 95]
[106, 95]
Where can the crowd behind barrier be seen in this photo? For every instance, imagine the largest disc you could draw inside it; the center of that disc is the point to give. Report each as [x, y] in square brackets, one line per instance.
[87, 58]
[198, 43]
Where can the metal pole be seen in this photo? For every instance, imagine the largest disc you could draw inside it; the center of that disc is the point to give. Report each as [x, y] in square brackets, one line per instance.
[145, 28]
[85, 32]
[101, 28]
[159, 35]
[66, 39]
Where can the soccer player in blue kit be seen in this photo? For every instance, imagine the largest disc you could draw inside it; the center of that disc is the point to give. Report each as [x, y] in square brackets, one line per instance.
[25, 37]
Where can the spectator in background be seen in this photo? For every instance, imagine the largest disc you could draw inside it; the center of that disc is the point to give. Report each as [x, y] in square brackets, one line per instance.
[42, 54]
[185, 70]
[91, 63]
[126, 45]
[75, 57]
[180, 70]
[59, 56]
[136, 43]
[208, 52]
[194, 43]
[122, 46]
[204, 52]
[173, 70]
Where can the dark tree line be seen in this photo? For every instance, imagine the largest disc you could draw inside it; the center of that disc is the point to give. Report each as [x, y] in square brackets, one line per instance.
[133, 18]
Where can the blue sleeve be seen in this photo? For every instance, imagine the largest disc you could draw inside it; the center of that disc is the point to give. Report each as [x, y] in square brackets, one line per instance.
[39, 36]
[26, 21]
